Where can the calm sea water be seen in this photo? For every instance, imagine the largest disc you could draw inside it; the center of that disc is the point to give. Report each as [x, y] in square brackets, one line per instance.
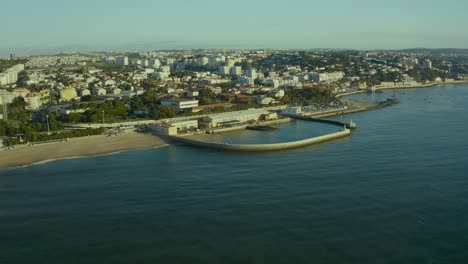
[396, 191]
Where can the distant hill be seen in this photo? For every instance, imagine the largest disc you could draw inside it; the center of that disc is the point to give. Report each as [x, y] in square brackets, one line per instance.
[435, 52]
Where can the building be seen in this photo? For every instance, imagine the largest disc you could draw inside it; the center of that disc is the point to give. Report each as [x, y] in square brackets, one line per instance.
[84, 92]
[203, 61]
[272, 82]
[291, 111]
[34, 101]
[233, 118]
[180, 103]
[123, 61]
[251, 73]
[370, 89]
[262, 99]
[99, 91]
[185, 125]
[20, 92]
[67, 94]
[223, 70]
[164, 129]
[10, 75]
[235, 70]
[165, 69]
[427, 64]
[326, 76]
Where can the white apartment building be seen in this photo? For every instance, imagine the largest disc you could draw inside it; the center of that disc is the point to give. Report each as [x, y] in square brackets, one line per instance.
[10, 75]
[427, 64]
[155, 63]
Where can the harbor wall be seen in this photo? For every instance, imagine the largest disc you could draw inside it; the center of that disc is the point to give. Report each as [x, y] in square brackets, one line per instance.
[263, 147]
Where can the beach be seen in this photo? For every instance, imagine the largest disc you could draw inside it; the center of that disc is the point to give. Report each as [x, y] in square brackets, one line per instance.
[76, 147]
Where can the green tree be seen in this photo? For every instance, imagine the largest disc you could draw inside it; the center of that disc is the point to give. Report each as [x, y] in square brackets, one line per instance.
[88, 98]
[165, 111]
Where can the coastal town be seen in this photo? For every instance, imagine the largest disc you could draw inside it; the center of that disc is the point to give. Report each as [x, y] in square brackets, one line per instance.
[54, 98]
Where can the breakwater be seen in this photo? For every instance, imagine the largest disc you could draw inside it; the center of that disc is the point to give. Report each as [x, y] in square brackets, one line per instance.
[348, 125]
[261, 147]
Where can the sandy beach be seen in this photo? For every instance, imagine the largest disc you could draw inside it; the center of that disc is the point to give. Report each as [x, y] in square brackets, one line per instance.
[77, 147]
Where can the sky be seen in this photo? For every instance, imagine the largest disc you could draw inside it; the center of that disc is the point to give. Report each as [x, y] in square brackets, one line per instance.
[51, 26]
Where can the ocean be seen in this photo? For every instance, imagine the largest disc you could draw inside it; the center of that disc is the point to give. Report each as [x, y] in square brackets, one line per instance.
[395, 191]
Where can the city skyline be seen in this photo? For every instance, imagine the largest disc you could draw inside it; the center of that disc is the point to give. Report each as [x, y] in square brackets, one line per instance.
[53, 26]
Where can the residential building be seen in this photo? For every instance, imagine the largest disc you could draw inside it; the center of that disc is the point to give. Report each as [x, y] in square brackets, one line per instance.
[427, 64]
[224, 70]
[235, 70]
[251, 73]
[123, 61]
[67, 94]
[34, 101]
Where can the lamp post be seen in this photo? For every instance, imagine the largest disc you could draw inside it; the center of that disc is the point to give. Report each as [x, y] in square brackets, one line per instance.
[47, 117]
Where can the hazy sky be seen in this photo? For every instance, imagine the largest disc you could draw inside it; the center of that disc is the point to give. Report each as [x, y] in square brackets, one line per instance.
[32, 26]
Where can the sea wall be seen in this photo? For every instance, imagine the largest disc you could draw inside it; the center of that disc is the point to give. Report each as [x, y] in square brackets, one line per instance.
[263, 147]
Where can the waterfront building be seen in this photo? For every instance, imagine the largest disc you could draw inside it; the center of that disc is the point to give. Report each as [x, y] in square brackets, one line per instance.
[292, 111]
[233, 118]
[165, 129]
[180, 103]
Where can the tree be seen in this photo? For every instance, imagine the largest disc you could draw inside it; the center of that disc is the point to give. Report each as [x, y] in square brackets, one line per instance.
[165, 111]
[17, 105]
[205, 101]
[285, 99]
[89, 98]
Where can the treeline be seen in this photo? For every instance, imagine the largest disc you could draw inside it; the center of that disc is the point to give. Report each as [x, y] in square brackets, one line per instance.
[309, 95]
[62, 135]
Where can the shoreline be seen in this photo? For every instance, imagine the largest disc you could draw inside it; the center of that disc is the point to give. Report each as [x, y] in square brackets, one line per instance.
[91, 146]
[427, 85]
[81, 147]
[367, 106]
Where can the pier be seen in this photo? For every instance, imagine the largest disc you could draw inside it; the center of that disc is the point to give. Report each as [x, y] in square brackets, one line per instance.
[261, 147]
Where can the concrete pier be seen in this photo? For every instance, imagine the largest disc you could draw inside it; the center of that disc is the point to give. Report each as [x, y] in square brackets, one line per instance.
[262, 147]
